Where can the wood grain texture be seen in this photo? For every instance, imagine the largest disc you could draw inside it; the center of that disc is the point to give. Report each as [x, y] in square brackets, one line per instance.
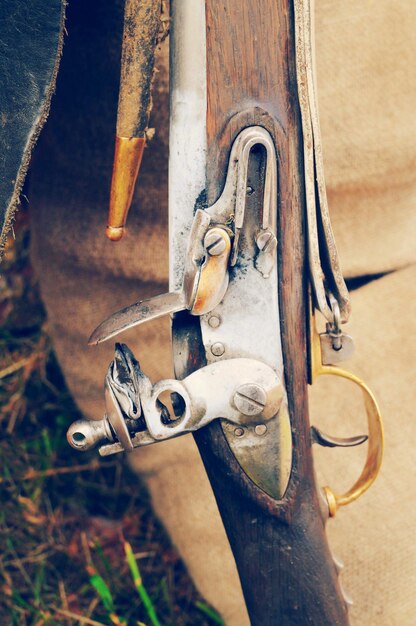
[140, 35]
[286, 569]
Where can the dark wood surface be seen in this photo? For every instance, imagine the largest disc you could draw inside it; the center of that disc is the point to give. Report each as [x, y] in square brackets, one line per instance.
[286, 569]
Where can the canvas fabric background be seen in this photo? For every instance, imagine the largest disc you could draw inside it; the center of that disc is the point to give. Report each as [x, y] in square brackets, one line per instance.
[367, 95]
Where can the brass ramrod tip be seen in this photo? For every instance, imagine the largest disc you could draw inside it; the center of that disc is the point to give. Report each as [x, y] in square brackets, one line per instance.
[114, 233]
[127, 159]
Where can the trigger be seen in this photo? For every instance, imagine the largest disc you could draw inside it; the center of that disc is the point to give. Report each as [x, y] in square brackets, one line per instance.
[317, 436]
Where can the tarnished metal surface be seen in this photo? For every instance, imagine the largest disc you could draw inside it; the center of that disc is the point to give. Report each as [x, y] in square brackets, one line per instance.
[328, 441]
[213, 275]
[248, 399]
[136, 314]
[336, 346]
[267, 465]
[332, 355]
[252, 296]
[115, 417]
[187, 131]
[194, 403]
[85, 434]
[230, 208]
[205, 284]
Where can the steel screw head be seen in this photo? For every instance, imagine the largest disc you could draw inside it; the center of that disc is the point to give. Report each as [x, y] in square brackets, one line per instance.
[214, 243]
[239, 432]
[260, 429]
[214, 321]
[263, 239]
[217, 349]
[250, 399]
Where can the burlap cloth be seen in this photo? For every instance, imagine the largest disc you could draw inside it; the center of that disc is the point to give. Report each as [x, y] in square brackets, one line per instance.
[367, 83]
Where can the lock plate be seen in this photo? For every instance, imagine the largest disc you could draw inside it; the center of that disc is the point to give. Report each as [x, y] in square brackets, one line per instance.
[253, 287]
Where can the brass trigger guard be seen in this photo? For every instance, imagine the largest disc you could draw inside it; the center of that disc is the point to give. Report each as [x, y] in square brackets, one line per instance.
[374, 423]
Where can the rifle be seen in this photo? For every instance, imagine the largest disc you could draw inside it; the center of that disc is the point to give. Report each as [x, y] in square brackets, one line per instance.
[252, 264]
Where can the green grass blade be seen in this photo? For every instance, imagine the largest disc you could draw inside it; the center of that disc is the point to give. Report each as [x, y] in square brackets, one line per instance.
[38, 585]
[210, 612]
[103, 591]
[47, 444]
[98, 549]
[138, 583]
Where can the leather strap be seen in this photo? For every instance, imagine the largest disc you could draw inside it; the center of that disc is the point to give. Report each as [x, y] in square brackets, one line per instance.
[325, 270]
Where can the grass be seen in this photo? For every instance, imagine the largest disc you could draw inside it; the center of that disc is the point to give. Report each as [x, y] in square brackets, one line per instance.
[79, 543]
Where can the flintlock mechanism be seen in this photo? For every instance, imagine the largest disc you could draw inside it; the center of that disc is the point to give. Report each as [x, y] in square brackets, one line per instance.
[249, 393]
